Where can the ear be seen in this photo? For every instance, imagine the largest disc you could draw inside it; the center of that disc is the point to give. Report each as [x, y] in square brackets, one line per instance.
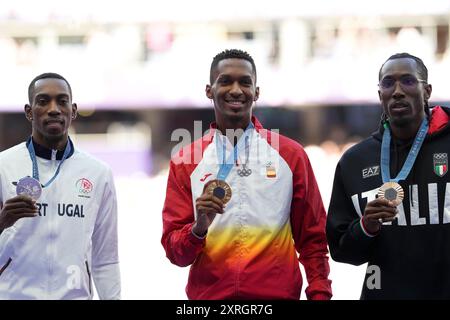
[208, 91]
[74, 111]
[28, 113]
[428, 89]
[379, 95]
[256, 94]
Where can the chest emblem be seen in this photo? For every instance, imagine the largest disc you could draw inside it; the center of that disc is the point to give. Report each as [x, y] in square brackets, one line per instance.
[84, 187]
[440, 164]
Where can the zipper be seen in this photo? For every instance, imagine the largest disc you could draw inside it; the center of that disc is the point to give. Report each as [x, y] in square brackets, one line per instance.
[6, 265]
[89, 275]
[54, 154]
[51, 249]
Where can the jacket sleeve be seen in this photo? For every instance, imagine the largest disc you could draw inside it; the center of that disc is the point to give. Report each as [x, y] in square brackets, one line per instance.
[347, 239]
[6, 236]
[105, 257]
[308, 219]
[181, 246]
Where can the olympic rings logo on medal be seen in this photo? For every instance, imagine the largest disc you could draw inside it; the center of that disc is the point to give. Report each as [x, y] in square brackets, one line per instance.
[84, 185]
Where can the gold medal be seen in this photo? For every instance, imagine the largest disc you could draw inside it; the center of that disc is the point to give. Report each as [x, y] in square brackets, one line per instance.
[220, 189]
[391, 191]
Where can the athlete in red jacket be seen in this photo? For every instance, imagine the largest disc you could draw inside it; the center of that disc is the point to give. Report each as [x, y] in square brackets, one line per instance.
[238, 212]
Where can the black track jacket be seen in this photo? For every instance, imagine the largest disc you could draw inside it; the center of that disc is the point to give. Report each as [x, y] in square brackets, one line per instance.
[410, 257]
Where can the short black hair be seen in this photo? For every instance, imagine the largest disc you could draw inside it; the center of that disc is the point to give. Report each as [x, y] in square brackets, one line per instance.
[47, 75]
[423, 71]
[230, 54]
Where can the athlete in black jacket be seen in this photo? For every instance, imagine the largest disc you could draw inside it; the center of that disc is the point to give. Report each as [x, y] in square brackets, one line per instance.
[407, 247]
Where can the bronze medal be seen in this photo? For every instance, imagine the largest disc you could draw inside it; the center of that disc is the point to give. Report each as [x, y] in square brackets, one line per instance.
[391, 191]
[219, 189]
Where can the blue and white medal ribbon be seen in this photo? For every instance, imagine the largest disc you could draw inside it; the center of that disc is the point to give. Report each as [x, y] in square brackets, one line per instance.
[391, 189]
[225, 166]
[31, 186]
[219, 187]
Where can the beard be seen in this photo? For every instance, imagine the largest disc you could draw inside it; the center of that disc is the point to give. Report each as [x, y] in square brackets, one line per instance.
[401, 122]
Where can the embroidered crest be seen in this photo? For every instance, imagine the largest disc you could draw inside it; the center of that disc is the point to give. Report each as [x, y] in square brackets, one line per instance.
[440, 163]
[84, 187]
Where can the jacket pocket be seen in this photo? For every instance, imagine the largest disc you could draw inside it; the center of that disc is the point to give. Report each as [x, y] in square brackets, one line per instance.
[89, 275]
[6, 265]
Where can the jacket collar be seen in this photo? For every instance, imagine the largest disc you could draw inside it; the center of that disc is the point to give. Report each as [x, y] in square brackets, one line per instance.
[439, 123]
[213, 127]
[45, 153]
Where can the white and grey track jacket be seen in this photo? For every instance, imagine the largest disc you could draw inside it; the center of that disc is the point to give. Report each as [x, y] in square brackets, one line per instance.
[72, 241]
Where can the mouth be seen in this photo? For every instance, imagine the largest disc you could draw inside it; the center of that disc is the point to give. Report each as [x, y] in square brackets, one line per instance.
[54, 124]
[399, 107]
[235, 104]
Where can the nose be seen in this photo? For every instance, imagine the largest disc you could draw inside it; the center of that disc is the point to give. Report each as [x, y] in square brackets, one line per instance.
[398, 90]
[235, 89]
[54, 108]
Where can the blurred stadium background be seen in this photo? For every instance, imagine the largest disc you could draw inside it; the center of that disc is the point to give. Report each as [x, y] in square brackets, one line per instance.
[138, 70]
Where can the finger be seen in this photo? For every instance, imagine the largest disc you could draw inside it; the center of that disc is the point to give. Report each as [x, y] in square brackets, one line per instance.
[212, 198]
[20, 205]
[381, 202]
[384, 204]
[26, 215]
[18, 212]
[21, 202]
[217, 201]
[380, 215]
[206, 210]
[210, 204]
[371, 210]
[21, 198]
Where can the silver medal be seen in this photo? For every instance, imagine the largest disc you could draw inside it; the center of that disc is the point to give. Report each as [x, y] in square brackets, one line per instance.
[30, 187]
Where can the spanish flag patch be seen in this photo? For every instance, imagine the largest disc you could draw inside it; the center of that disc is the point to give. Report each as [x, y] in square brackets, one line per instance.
[271, 172]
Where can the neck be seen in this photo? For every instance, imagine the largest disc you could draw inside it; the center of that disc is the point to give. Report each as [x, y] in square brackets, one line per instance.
[232, 129]
[59, 144]
[407, 132]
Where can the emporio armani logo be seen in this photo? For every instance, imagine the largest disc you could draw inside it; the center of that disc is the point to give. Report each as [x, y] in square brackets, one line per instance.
[370, 172]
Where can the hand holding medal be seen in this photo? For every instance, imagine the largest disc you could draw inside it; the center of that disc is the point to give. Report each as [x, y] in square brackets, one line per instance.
[376, 212]
[208, 205]
[21, 206]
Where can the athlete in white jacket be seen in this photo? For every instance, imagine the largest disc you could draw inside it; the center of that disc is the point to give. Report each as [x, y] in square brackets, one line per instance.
[60, 234]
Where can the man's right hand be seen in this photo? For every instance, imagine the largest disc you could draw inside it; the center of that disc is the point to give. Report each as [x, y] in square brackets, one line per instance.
[16, 208]
[207, 207]
[376, 212]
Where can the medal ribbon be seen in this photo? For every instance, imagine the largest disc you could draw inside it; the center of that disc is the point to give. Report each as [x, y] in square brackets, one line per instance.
[386, 154]
[35, 166]
[226, 165]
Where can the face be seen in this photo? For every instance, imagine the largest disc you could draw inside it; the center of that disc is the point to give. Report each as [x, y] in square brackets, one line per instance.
[233, 91]
[51, 112]
[402, 92]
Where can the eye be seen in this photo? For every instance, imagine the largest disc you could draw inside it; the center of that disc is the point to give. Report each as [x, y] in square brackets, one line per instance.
[64, 102]
[409, 81]
[41, 101]
[387, 83]
[247, 82]
[223, 81]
